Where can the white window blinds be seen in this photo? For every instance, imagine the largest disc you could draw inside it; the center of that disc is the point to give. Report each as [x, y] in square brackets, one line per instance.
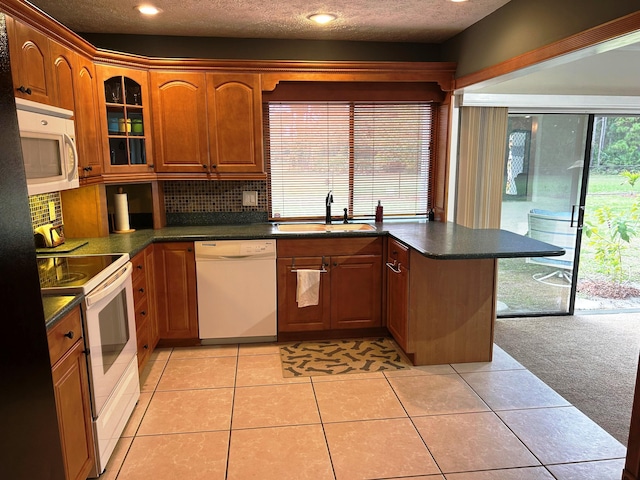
[363, 152]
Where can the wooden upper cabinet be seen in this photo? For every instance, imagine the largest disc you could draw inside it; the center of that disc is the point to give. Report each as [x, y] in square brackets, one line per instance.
[124, 104]
[235, 123]
[180, 121]
[31, 65]
[63, 61]
[87, 118]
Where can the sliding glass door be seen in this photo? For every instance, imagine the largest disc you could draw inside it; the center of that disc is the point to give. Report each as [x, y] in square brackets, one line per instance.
[543, 188]
[609, 275]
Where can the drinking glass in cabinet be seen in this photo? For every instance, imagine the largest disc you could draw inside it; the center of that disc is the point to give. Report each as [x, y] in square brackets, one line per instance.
[137, 152]
[133, 92]
[118, 151]
[113, 90]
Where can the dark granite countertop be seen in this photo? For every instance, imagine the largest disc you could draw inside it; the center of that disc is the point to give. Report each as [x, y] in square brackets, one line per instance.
[57, 306]
[439, 240]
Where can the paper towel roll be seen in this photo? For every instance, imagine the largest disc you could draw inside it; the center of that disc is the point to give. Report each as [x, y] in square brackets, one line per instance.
[121, 212]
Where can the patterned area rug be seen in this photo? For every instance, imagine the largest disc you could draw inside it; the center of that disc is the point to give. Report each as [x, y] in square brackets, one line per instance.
[334, 357]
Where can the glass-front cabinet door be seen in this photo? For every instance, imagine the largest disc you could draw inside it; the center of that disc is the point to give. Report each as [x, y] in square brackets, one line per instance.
[125, 120]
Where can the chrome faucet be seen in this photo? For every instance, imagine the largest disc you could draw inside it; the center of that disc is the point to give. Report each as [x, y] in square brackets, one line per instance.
[328, 202]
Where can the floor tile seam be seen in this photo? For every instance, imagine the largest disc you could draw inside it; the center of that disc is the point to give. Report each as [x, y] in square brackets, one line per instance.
[233, 405]
[262, 427]
[324, 432]
[153, 393]
[161, 434]
[189, 389]
[519, 370]
[184, 389]
[578, 462]
[416, 429]
[460, 472]
[124, 458]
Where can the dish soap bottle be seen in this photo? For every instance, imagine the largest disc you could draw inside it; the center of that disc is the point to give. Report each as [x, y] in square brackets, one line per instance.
[379, 212]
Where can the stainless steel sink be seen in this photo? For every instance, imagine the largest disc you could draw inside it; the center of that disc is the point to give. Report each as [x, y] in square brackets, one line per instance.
[321, 227]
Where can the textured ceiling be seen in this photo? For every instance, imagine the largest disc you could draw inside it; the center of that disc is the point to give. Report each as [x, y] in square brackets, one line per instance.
[423, 21]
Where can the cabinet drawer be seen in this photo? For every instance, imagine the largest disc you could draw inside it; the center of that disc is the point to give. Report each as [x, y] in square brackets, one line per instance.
[143, 339]
[142, 312]
[64, 335]
[398, 252]
[139, 290]
[138, 268]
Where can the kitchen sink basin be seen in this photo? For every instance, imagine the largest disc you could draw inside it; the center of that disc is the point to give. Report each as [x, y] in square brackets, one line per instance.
[321, 227]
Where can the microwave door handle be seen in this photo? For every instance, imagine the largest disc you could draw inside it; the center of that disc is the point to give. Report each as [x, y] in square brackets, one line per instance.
[114, 282]
[72, 144]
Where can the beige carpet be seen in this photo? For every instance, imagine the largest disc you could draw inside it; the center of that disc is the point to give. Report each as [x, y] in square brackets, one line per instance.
[335, 357]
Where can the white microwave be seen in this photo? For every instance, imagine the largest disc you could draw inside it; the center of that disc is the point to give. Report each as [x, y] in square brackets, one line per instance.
[48, 147]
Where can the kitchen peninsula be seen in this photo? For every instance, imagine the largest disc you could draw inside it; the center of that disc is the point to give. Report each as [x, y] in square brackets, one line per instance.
[450, 294]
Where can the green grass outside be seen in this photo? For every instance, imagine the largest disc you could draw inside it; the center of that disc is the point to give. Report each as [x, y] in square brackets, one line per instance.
[614, 192]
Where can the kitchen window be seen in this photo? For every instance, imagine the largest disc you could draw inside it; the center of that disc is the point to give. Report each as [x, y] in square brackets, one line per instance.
[361, 151]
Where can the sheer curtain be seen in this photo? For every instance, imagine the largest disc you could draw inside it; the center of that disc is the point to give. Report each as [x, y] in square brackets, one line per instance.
[483, 133]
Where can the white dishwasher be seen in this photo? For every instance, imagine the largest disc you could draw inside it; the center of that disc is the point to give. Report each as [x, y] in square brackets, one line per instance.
[237, 294]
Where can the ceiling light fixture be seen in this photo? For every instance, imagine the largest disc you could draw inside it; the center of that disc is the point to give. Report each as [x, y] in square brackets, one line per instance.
[322, 18]
[148, 9]
[457, 1]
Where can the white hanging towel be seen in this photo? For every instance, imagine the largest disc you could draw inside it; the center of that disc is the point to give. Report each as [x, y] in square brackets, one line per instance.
[308, 291]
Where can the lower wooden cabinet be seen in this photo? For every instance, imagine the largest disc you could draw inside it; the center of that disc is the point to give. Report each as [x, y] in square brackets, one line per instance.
[73, 404]
[176, 295]
[144, 299]
[397, 270]
[350, 289]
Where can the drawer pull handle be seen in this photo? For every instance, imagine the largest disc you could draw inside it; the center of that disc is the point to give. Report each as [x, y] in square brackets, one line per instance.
[70, 334]
[395, 267]
[22, 89]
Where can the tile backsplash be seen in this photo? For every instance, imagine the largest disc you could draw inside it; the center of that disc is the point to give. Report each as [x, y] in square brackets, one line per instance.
[217, 202]
[215, 196]
[39, 207]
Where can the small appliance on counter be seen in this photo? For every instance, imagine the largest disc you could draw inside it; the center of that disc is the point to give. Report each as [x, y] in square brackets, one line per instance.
[48, 236]
[50, 240]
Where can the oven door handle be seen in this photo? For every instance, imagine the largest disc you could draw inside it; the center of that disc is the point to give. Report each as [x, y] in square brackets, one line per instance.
[113, 283]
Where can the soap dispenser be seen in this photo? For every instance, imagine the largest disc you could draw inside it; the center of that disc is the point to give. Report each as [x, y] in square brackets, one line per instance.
[379, 212]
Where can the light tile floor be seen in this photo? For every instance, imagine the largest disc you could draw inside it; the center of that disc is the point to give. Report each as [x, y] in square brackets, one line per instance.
[226, 412]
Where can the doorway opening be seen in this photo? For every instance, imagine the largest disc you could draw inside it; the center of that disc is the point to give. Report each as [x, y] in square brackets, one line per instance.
[570, 180]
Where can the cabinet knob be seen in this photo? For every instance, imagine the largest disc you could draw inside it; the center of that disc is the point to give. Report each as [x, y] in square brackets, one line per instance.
[213, 167]
[204, 165]
[139, 267]
[335, 264]
[146, 347]
[22, 89]
[143, 313]
[70, 334]
[141, 290]
[151, 165]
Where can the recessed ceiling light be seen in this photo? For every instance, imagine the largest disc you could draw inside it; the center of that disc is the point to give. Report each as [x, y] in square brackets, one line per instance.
[148, 9]
[322, 18]
[457, 1]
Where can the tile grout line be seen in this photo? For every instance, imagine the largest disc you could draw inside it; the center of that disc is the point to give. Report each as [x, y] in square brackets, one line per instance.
[135, 434]
[414, 425]
[233, 402]
[324, 433]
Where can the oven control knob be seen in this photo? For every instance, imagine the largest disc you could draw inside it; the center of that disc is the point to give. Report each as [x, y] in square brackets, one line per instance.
[69, 334]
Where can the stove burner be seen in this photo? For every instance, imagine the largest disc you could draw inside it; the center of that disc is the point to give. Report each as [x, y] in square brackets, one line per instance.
[70, 277]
